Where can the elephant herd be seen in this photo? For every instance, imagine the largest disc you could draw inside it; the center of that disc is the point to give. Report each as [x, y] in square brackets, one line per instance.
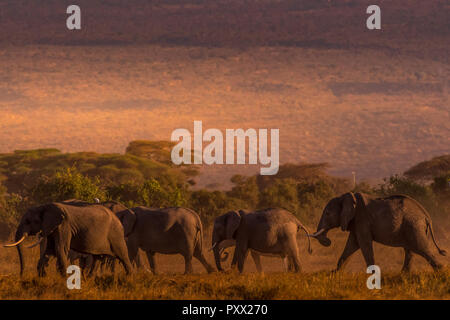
[101, 233]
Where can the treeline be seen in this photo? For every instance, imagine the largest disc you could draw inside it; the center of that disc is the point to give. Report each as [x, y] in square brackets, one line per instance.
[144, 175]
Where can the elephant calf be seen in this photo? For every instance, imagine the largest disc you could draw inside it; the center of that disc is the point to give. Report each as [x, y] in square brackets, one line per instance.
[396, 221]
[269, 231]
[168, 231]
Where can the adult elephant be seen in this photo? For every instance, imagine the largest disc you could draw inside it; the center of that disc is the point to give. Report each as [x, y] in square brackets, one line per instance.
[172, 230]
[269, 231]
[91, 229]
[397, 221]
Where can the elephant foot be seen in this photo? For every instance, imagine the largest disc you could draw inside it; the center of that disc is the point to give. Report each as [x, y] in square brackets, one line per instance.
[335, 271]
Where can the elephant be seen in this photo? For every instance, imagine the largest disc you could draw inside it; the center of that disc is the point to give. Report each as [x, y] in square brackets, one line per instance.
[64, 226]
[173, 230]
[396, 221]
[268, 231]
[104, 262]
[85, 261]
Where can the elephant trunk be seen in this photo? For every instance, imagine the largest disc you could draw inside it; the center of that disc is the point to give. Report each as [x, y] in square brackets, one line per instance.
[321, 234]
[217, 258]
[20, 235]
[216, 250]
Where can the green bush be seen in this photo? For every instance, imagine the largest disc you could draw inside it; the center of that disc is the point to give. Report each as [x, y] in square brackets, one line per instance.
[11, 209]
[282, 193]
[66, 184]
[424, 194]
[245, 189]
[151, 193]
[209, 204]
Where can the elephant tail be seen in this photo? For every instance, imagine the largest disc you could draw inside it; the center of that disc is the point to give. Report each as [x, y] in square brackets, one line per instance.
[301, 226]
[429, 227]
[198, 241]
[199, 238]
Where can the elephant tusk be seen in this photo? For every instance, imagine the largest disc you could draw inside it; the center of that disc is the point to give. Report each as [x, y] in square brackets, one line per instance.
[316, 234]
[213, 246]
[227, 243]
[36, 243]
[15, 243]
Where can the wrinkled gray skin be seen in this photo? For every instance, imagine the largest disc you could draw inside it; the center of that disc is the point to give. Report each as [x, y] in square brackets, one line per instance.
[396, 221]
[64, 226]
[167, 231]
[95, 262]
[268, 231]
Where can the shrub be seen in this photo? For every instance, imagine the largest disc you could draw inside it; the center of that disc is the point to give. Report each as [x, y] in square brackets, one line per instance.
[209, 204]
[282, 193]
[66, 184]
[151, 193]
[422, 193]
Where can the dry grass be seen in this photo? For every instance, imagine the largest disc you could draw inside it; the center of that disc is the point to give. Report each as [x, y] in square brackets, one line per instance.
[317, 285]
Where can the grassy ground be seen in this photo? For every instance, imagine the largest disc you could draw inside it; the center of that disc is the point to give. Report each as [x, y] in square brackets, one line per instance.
[317, 285]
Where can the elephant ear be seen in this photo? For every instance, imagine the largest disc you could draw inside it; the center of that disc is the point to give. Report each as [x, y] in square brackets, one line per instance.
[52, 215]
[348, 203]
[128, 219]
[243, 211]
[233, 221]
[362, 200]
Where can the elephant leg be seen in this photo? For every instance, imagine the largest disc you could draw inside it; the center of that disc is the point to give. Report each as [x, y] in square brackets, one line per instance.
[350, 248]
[285, 260]
[62, 246]
[365, 243]
[407, 263]
[423, 247]
[151, 261]
[44, 257]
[120, 249]
[42, 264]
[188, 264]
[133, 250]
[94, 266]
[292, 253]
[241, 252]
[112, 264]
[234, 260]
[257, 259]
[137, 261]
[288, 264]
[431, 258]
[198, 254]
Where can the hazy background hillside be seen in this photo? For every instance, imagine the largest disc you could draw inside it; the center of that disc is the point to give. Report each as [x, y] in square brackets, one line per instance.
[374, 102]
